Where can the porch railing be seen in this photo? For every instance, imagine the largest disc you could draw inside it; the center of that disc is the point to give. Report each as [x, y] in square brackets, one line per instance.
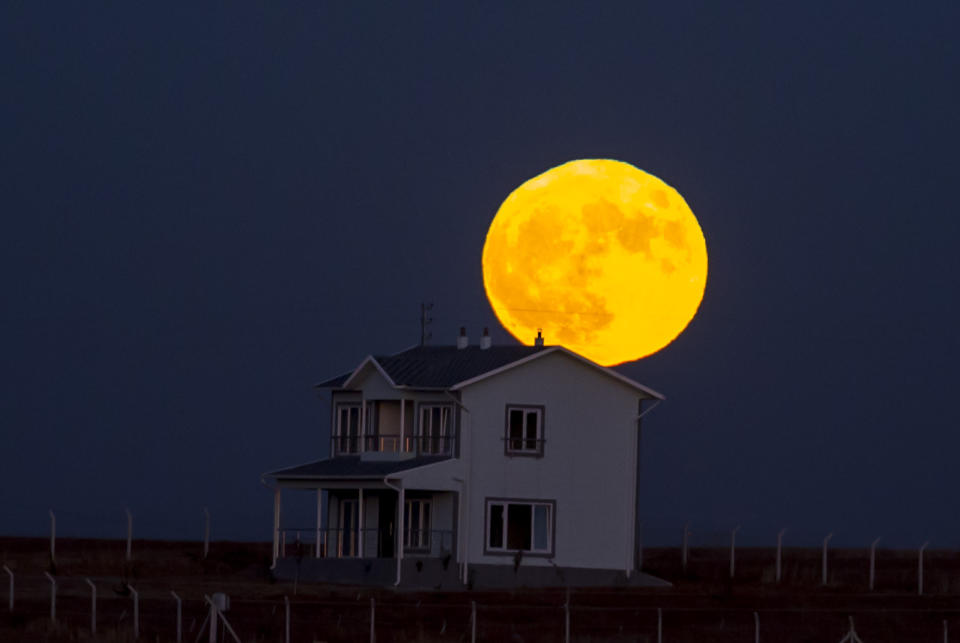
[301, 542]
[421, 445]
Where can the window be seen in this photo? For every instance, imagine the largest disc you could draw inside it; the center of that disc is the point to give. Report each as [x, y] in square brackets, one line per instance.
[347, 438]
[524, 430]
[435, 429]
[416, 524]
[519, 526]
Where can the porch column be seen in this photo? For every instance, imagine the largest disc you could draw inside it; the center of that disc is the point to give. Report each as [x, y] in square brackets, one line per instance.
[403, 415]
[319, 515]
[276, 525]
[363, 424]
[360, 523]
[400, 528]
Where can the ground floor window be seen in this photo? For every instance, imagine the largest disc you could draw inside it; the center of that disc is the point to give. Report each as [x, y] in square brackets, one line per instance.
[416, 524]
[520, 525]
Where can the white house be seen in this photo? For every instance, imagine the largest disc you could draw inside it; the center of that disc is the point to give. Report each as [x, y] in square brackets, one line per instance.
[473, 465]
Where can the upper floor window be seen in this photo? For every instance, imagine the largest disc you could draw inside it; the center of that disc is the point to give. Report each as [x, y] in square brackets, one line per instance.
[348, 433]
[436, 429]
[524, 430]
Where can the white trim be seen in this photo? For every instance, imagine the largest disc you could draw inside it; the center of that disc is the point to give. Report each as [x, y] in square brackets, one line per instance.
[559, 349]
[523, 439]
[337, 428]
[504, 527]
[442, 434]
[423, 529]
[370, 359]
[403, 413]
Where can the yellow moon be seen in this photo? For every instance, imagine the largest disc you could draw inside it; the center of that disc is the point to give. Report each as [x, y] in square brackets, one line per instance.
[608, 260]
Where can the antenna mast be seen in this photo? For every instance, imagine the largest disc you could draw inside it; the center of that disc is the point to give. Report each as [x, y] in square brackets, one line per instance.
[425, 322]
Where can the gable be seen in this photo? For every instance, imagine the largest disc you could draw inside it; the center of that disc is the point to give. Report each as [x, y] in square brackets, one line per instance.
[370, 378]
[566, 359]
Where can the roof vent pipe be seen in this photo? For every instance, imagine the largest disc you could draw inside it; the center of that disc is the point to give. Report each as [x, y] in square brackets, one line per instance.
[462, 338]
[485, 339]
[538, 341]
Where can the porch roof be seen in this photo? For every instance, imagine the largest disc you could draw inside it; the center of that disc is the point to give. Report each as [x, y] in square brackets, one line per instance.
[352, 467]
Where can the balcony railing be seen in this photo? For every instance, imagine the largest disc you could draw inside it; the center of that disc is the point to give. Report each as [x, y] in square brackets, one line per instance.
[376, 542]
[421, 445]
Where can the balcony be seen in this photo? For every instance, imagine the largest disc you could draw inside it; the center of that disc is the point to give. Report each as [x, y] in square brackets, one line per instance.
[409, 445]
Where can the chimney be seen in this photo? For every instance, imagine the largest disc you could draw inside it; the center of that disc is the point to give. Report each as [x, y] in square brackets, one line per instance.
[462, 339]
[538, 341]
[485, 339]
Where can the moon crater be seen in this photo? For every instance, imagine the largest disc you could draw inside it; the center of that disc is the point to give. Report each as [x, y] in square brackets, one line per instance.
[607, 259]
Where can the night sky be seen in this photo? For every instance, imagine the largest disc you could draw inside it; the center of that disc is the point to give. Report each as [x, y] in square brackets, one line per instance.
[207, 209]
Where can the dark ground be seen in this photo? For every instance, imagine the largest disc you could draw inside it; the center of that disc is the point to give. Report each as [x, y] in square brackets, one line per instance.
[703, 605]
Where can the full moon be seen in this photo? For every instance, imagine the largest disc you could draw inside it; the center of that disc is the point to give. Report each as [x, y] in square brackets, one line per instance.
[608, 260]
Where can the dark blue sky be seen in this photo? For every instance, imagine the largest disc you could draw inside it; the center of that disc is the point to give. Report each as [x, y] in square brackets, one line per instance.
[208, 209]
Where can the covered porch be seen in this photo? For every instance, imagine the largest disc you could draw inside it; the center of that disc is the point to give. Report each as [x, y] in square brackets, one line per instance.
[376, 521]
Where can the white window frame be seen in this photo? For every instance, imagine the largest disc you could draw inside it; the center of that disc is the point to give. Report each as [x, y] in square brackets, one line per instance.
[533, 504]
[537, 450]
[445, 437]
[420, 542]
[341, 434]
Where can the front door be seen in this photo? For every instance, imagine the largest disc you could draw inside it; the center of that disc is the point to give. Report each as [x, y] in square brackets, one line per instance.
[387, 520]
[349, 522]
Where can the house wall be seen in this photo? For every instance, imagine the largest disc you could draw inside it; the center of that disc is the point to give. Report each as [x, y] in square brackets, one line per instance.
[588, 466]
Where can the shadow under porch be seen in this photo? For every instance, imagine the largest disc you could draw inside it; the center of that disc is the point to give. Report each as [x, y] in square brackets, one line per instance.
[370, 535]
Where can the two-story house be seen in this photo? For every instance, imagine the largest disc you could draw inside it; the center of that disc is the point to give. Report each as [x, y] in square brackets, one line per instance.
[473, 465]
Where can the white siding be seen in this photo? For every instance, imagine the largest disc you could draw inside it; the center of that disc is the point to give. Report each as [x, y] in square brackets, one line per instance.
[588, 464]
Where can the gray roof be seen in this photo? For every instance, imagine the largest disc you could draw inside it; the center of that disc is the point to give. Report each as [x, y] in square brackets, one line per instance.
[351, 466]
[442, 366]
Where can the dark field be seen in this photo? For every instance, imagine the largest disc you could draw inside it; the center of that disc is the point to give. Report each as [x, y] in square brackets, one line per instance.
[703, 605]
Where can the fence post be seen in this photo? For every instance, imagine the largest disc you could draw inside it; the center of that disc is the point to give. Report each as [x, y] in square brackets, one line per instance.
[179, 617]
[286, 619]
[873, 557]
[756, 627]
[659, 625]
[136, 612]
[93, 606]
[10, 573]
[733, 547]
[780, 552]
[826, 541]
[686, 534]
[946, 639]
[566, 618]
[53, 537]
[920, 569]
[53, 597]
[129, 534]
[473, 622]
[373, 619]
[206, 532]
[212, 618]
